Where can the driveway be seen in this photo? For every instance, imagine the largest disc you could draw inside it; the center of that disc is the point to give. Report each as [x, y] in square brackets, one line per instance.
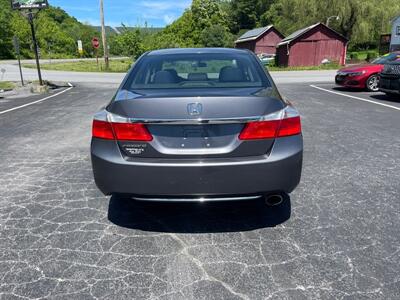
[337, 237]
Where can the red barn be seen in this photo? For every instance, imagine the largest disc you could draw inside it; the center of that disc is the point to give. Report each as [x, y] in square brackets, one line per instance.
[310, 46]
[260, 40]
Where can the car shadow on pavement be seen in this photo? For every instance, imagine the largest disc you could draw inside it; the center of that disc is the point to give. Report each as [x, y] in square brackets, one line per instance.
[197, 217]
[346, 89]
[384, 97]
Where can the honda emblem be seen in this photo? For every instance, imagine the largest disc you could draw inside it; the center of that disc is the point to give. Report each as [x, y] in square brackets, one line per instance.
[195, 109]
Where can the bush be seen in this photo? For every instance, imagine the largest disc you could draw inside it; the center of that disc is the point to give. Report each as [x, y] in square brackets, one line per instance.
[355, 56]
[371, 55]
[274, 63]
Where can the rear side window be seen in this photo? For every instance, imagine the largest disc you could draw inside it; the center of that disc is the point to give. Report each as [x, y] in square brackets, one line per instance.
[198, 70]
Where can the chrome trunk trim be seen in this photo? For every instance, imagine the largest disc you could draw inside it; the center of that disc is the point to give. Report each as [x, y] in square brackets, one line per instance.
[278, 115]
[197, 199]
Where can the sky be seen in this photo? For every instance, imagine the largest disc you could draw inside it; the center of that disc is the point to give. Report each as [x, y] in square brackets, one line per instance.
[157, 13]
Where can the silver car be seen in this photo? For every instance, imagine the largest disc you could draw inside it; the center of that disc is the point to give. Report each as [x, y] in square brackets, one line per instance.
[197, 125]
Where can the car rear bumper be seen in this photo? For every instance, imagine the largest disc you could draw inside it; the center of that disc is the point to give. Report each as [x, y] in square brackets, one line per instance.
[280, 170]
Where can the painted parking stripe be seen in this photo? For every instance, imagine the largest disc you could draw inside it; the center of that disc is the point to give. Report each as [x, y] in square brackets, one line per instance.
[356, 98]
[37, 101]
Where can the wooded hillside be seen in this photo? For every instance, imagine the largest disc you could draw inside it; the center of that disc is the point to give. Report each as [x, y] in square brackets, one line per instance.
[206, 23]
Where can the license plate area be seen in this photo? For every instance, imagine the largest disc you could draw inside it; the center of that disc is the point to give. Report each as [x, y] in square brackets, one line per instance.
[188, 137]
[195, 137]
[194, 133]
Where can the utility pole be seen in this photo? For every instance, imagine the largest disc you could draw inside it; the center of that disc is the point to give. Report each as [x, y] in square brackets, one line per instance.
[103, 35]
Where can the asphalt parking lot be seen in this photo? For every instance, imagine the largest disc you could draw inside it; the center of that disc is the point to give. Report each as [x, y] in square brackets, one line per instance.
[337, 237]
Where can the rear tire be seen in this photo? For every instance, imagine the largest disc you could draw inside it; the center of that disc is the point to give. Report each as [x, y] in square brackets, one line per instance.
[373, 83]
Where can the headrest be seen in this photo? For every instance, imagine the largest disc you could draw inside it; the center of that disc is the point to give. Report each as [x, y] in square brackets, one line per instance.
[231, 74]
[173, 72]
[164, 77]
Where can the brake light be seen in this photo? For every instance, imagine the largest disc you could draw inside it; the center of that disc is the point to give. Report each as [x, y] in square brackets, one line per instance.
[121, 131]
[102, 130]
[290, 126]
[281, 124]
[260, 130]
[131, 132]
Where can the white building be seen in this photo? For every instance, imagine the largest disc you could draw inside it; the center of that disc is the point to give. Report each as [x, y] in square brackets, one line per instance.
[395, 42]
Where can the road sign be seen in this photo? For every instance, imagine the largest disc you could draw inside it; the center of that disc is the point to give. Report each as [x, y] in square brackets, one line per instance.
[95, 43]
[16, 44]
[80, 47]
[29, 4]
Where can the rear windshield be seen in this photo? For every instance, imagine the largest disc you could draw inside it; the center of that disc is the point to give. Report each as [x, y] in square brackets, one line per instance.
[198, 70]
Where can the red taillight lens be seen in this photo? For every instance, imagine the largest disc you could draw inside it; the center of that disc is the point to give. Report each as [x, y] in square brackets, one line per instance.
[271, 129]
[102, 130]
[131, 132]
[289, 126]
[121, 131]
[260, 130]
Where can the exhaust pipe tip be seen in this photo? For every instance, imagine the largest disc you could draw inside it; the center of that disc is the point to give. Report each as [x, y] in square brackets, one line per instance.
[274, 200]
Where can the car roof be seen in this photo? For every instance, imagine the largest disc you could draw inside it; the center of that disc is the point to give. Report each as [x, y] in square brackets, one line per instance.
[197, 51]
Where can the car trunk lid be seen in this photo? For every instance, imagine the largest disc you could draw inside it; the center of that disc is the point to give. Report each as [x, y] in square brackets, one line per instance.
[199, 126]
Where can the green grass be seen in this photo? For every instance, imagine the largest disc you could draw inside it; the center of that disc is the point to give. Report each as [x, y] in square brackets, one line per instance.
[122, 66]
[6, 85]
[306, 68]
[117, 66]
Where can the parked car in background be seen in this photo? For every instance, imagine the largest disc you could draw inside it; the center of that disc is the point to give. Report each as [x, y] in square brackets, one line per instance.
[390, 79]
[365, 76]
[198, 125]
[267, 59]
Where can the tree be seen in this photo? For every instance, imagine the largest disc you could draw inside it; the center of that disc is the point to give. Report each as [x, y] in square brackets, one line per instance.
[178, 34]
[245, 14]
[52, 38]
[56, 32]
[6, 48]
[128, 43]
[361, 21]
[190, 28]
[216, 36]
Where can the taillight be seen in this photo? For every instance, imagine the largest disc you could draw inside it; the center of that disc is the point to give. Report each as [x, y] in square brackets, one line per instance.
[280, 124]
[102, 130]
[260, 130]
[120, 131]
[131, 132]
[289, 126]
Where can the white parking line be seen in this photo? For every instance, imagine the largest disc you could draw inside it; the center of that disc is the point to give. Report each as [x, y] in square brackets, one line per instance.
[356, 98]
[37, 101]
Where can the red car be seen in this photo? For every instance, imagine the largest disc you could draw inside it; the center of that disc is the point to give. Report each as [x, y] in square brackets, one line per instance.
[365, 76]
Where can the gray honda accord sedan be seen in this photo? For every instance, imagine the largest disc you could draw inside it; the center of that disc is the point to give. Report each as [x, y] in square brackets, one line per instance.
[197, 125]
